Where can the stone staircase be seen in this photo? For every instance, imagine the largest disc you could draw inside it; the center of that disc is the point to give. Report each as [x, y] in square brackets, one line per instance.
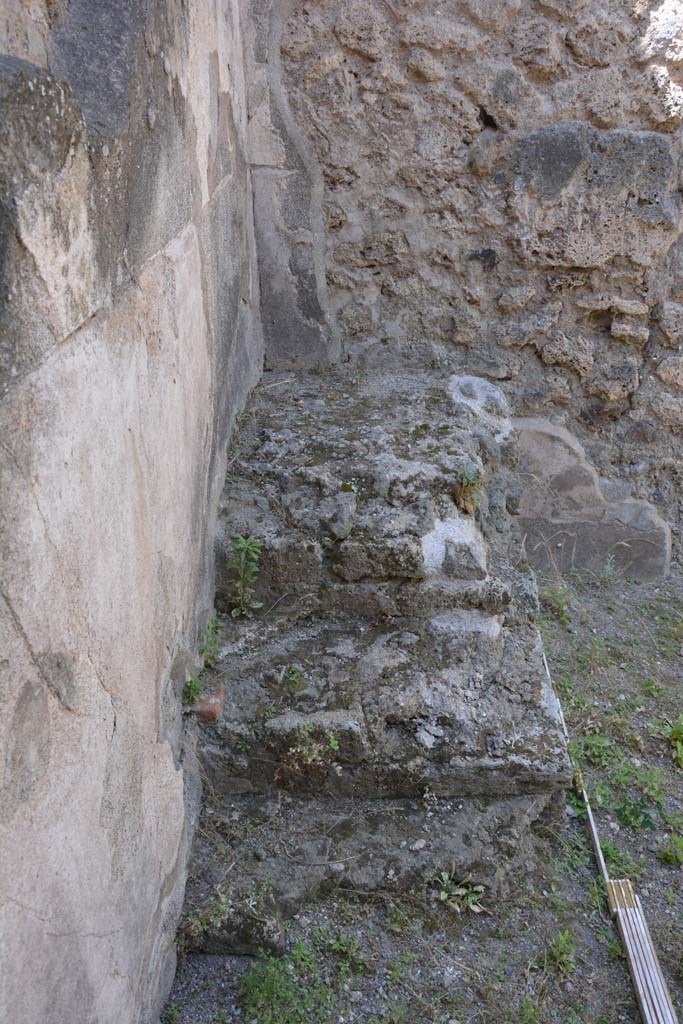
[385, 713]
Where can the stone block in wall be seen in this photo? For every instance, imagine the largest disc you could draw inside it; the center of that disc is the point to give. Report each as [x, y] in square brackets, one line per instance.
[584, 196]
[570, 524]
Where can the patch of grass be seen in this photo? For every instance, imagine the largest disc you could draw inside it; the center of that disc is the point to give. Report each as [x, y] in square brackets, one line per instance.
[598, 750]
[597, 895]
[669, 632]
[349, 950]
[569, 695]
[614, 946]
[635, 814]
[171, 1014]
[672, 852]
[562, 951]
[529, 1012]
[619, 864]
[289, 990]
[575, 855]
[674, 821]
[648, 781]
[397, 920]
[652, 689]
[397, 969]
[600, 795]
[593, 656]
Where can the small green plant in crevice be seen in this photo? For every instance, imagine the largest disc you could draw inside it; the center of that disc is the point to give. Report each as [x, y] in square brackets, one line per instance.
[675, 738]
[396, 970]
[211, 643]
[609, 572]
[652, 689]
[672, 852]
[311, 756]
[397, 920]
[460, 895]
[562, 951]
[607, 937]
[171, 1014]
[245, 555]
[212, 916]
[467, 483]
[194, 691]
[293, 680]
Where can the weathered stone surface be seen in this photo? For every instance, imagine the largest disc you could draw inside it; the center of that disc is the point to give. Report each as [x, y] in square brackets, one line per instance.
[129, 339]
[586, 196]
[457, 704]
[570, 524]
[475, 193]
[390, 662]
[501, 192]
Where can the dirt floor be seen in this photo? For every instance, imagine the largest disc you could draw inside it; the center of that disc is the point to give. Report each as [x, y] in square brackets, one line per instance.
[549, 954]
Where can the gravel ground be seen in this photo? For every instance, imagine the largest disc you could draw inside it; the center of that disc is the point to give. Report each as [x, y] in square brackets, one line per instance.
[549, 954]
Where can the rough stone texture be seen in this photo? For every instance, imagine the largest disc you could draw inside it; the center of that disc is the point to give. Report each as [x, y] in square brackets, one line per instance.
[129, 338]
[470, 194]
[395, 657]
[503, 179]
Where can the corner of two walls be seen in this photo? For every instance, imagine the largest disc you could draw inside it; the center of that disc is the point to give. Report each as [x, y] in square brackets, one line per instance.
[288, 197]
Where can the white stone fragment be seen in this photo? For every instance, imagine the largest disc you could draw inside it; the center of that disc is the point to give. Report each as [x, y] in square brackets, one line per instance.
[455, 547]
[485, 399]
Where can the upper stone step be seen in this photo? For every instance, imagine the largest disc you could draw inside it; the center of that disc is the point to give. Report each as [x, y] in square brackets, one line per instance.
[358, 485]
